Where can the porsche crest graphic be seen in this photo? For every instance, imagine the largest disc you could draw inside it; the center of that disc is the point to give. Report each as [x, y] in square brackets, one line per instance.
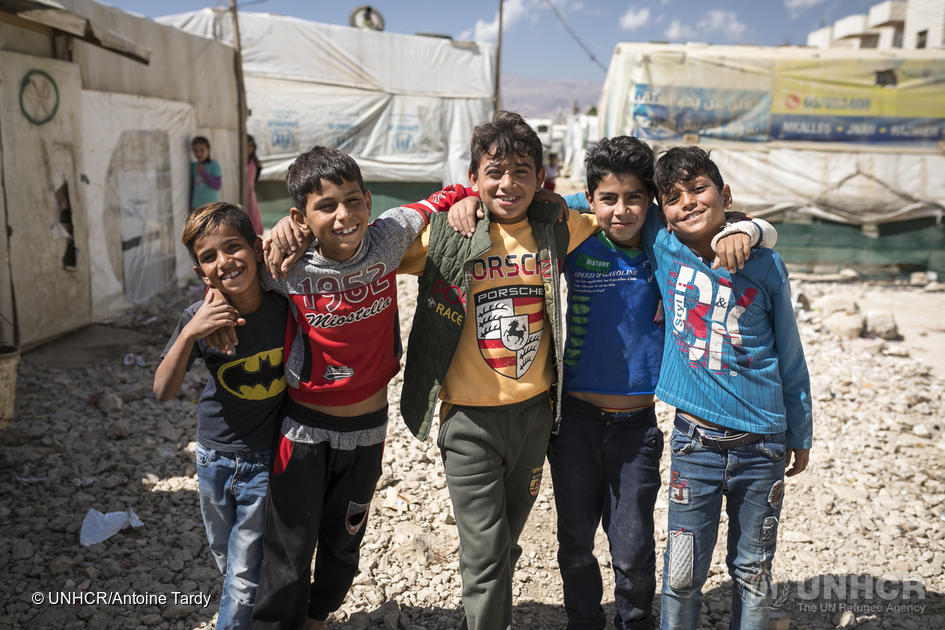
[509, 324]
[254, 378]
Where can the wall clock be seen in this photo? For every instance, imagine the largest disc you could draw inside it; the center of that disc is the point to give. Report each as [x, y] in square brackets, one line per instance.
[39, 97]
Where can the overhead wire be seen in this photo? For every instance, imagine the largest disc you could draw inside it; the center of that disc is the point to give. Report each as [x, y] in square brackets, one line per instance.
[574, 35]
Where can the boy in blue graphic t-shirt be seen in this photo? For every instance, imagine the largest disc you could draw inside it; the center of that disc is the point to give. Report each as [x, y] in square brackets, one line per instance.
[605, 458]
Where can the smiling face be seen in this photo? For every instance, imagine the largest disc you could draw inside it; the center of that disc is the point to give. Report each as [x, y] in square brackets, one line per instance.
[695, 210]
[225, 261]
[507, 186]
[337, 216]
[620, 202]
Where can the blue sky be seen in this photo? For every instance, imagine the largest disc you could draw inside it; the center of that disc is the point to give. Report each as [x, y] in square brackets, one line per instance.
[536, 44]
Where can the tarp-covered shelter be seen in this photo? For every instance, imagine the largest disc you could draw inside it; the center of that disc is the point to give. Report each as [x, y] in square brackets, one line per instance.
[850, 137]
[403, 105]
[581, 131]
[97, 109]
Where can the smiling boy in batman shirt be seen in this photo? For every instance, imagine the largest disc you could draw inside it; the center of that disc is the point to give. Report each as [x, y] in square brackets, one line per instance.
[240, 408]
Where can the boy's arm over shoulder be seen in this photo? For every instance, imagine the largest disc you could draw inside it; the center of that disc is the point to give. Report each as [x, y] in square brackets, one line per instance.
[271, 282]
[410, 219]
[792, 365]
[285, 245]
[577, 201]
[581, 222]
[732, 245]
[580, 226]
[762, 233]
[440, 201]
[415, 259]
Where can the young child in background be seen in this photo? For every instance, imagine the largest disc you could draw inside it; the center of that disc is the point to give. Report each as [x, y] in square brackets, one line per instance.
[253, 168]
[205, 175]
[734, 368]
[240, 407]
[551, 172]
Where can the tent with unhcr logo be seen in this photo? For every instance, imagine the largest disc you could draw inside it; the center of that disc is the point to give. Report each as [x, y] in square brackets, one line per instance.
[403, 105]
[846, 147]
[97, 110]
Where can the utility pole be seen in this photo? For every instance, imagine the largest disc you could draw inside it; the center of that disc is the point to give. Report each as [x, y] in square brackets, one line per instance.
[498, 64]
[240, 102]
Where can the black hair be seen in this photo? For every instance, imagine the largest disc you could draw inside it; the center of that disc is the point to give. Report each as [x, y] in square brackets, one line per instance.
[681, 164]
[211, 216]
[507, 134]
[200, 140]
[320, 163]
[621, 155]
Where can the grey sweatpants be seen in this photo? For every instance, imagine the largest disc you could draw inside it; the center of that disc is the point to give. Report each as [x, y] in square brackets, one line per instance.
[493, 458]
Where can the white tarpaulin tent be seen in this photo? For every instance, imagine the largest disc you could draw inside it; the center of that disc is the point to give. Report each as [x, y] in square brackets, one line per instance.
[138, 184]
[853, 136]
[404, 106]
[582, 131]
[94, 157]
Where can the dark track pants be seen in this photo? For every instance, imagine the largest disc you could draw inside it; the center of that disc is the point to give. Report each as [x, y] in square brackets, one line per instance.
[322, 496]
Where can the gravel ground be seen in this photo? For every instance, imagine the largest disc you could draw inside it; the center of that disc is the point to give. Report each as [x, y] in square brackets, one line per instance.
[861, 539]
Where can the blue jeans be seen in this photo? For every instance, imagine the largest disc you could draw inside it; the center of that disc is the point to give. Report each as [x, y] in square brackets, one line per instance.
[751, 477]
[232, 490]
[606, 469]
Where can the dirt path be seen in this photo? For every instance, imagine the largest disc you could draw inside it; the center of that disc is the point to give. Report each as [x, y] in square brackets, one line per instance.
[920, 316]
[862, 532]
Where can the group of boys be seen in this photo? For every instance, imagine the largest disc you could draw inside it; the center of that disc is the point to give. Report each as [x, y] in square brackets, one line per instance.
[487, 343]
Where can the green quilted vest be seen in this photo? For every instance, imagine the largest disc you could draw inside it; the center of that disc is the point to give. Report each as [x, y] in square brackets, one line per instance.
[441, 306]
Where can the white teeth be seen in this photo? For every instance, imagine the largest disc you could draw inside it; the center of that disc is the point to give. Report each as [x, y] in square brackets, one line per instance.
[232, 274]
[346, 231]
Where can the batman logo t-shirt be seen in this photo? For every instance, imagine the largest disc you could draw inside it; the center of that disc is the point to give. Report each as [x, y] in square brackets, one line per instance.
[240, 406]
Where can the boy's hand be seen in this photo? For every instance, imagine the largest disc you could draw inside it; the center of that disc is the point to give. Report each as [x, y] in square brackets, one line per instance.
[552, 197]
[464, 214]
[658, 317]
[731, 252]
[801, 458]
[211, 316]
[286, 243]
[222, 338]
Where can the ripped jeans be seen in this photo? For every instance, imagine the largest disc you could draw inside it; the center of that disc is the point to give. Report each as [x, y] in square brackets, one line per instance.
[751, 477]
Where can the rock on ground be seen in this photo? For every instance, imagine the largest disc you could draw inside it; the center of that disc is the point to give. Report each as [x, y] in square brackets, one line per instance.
[861, 543]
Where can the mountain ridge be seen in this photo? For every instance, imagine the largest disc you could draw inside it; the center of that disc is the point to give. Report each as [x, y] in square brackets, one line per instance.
[548, 98]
